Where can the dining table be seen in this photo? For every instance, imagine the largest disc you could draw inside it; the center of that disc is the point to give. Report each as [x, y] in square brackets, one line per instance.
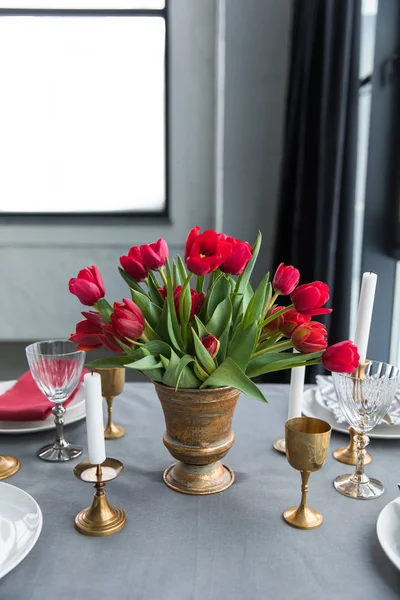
[233, 545]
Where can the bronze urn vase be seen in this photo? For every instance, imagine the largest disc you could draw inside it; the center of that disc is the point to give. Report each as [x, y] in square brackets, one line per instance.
[198, 435]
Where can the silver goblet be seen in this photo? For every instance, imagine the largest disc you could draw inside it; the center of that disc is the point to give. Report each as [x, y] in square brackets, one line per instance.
[365, 397]
[56, 367]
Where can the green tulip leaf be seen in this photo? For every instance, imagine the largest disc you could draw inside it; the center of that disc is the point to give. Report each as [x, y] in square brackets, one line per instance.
[157, 347]
[229, 374]
[255, 309]
[220, 290]
[220, 318]
[243, 279]
[105, 309]
[275, 361]
[149, 332]
[242, 345]
[151, 311]
[169, 377]
[185, 378]
[109, 363]
[145, 363]
[200, 328]
[130, 281]
[182, 268]
[200, 373]
[203, 356]
[154, 291]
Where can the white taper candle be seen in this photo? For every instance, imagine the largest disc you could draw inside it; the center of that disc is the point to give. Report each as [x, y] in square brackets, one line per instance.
[296, 391]
[364, 315]
[94, 418]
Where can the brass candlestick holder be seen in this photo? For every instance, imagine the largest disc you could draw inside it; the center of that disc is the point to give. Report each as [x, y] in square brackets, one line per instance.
[280, 445]
[348, 454]
[100, 519]
[112, 384]
[8, 466]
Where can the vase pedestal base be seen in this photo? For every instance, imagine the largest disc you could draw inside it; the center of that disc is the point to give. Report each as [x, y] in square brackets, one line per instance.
[198, 479]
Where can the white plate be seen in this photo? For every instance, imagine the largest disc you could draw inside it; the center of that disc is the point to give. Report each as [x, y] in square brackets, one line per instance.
[312, 408]
[75, 412]
[388, 530]
[20, 526]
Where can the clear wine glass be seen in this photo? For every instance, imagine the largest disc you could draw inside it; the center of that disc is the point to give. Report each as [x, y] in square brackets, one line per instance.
[365, 397]
[56, 367]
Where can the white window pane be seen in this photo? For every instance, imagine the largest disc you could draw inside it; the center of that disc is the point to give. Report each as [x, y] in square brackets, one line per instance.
[82, 123]
[83, 4]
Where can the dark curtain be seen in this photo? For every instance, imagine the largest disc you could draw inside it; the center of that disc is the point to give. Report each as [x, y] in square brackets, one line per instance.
[317, 193]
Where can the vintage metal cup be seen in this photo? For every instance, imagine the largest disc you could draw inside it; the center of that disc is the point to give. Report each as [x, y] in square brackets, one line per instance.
[112, 384]
[307, 444]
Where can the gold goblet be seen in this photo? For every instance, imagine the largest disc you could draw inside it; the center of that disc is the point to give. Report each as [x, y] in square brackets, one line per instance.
[112, 384]
[307, 445]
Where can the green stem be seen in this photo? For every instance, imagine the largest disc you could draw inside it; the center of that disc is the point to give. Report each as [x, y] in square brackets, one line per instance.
[276, 347]
[274, 338]
[161, 271]
[199, 283]
[136, 342]
[275, 315]
[271, 302]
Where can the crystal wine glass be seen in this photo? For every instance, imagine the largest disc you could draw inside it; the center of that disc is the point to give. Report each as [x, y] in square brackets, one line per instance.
[365, 397]
[56, 367]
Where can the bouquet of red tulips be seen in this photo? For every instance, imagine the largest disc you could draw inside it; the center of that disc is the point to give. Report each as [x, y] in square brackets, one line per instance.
[221, 331]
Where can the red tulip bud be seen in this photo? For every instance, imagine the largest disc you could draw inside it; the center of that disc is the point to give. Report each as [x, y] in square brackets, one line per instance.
[310, 337]
[154, 255]
[240, 255]
[197, 301]
[127, 320]
[341, 358]
[285, 279]
[291, 320]
[88, 286]
[133, 264]
[276, 324]
[309, 297]
[94, 333]
[211, 344]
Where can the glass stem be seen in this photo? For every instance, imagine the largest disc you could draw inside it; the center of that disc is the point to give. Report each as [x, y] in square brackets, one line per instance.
[58, 412]
[359, 475]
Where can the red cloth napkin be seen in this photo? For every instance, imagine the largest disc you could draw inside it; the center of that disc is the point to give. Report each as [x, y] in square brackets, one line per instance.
[25, 402]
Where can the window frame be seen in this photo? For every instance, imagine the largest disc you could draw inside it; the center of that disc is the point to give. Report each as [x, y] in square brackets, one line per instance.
[86, 218]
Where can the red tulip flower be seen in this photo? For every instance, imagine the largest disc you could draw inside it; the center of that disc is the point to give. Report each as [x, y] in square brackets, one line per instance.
[205, 252]
[276, 324]
[154, 255]
[285, 279]
[197, 301]
[310, 297]
[89, 332]
[127, 320]
[88, 286]
[92, 333]
[211, 344]
[163, 291]
[341, 358]
[133, 264]
[310, 337]
[240, 255]
[291, 320]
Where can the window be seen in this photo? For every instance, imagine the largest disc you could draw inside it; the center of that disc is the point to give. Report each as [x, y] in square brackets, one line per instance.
[83, 106]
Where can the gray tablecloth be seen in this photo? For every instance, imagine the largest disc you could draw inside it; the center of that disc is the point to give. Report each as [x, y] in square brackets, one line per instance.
[232, 545]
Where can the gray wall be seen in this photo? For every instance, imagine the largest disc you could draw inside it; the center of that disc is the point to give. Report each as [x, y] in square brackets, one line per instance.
[36, 262]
